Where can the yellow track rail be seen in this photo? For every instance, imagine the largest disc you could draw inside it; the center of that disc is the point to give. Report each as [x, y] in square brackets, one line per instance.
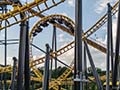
[12, 16]
[67, 47]
[101, 21]
[94, 28]
[27, 8]
[37, 73]
[62, 50]
[89, 41]
[37, 79]
[97, 25]
[90, 32]
[35, 70]
[61, 78]
[4, 2]
[5, 69]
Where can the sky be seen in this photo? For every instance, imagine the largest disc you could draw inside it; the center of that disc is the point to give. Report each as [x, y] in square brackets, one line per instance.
[93, 10]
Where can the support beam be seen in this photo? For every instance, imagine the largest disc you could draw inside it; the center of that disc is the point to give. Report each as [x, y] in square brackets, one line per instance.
[117, 50]
[21, 60]
[1, 78]
[85, 67]
[78, 45]
[99, 84]
[58, 60]
[4, 11]
[32, 82]
[51, 66]
[54, 44]
[54, 47]
[27, 60]
[109, 38]
[119, 75]
[12, 87]
[46, 71]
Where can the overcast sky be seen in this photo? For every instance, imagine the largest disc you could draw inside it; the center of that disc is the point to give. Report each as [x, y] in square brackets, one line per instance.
[92, 11]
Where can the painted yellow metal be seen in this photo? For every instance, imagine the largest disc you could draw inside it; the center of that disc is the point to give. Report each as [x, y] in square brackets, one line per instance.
[5, 69]
[64, 49]
[111, 83]
[67, 47]
[5, 3]
[13, 14]
[101, 21]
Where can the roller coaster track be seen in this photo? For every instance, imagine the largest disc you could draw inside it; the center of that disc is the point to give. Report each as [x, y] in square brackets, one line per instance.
[59, 52]
[88, 33]
[101, 21]
[37, 72]
[61, 78]
[69, 30]
[9, 69]
[28, 7]
[12, 16]
[63, 50]
[37, 28]
[69, 81]
[96, 27]
[5, 69]
[4, 2]
[71, 45]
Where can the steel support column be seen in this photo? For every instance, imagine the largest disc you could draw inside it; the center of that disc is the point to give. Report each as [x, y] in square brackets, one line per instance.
[13, 73]
[1, 78]
[99, 84]
[22, 49]
[119, 75]
[46, 71]
[51, 66]
[54, 48]
[5, 44]
[85, 67]
[111, 39]
[55, 44]
[117, 51]
[5, 8]
[109, 52]
[32, 82]
[51, 56]
[27, 60]
[78, 45]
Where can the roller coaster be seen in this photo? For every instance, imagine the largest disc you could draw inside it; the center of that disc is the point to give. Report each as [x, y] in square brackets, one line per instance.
[20, 14]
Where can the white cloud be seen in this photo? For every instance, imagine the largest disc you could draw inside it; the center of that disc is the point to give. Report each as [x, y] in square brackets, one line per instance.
[10, 60]
[98, 58]
[35, 57]
[114, 30]
[61, 38]
[64, 39]
[67, 57]
[101, 5]
[71, 2]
